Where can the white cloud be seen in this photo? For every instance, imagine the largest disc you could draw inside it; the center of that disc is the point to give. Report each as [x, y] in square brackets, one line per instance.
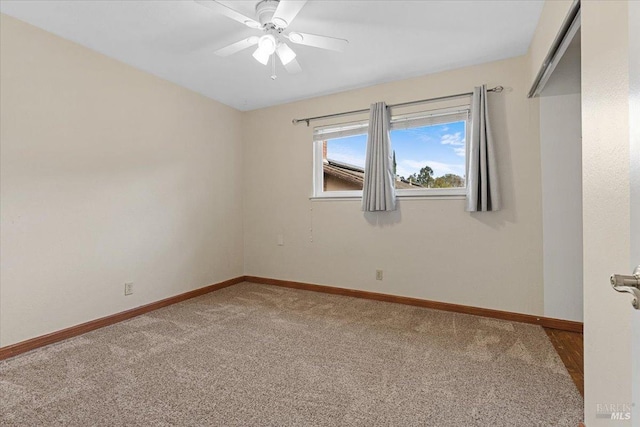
[415, 164]
[460, 151]
[405, 172]
[345, 155]
[452, 139]
[418, 134]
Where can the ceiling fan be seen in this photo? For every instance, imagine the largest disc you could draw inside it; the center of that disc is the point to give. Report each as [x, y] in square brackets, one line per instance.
[272, 18]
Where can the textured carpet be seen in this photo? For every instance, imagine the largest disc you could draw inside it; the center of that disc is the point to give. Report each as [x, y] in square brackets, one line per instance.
[256, 355]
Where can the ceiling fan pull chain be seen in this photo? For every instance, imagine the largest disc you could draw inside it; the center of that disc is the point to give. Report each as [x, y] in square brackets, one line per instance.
[273, 67]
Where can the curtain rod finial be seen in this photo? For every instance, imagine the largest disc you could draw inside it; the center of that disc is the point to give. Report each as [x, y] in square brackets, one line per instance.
[296, 121]
[498, 89]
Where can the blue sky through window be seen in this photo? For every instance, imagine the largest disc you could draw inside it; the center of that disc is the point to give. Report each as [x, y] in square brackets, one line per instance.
[442, 147]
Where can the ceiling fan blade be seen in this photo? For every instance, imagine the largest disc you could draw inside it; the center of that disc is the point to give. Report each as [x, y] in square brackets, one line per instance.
[237, 46]
[287, 11]
[293, 67]
[322, 42]
[285, 53]
[229, 13]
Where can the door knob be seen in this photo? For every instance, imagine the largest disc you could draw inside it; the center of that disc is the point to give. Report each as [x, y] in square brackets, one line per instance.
[628, 284]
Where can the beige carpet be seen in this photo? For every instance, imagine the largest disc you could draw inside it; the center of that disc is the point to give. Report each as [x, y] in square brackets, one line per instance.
[256, 355]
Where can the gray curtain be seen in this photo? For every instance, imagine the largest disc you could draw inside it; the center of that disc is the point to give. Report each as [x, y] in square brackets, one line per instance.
[379, 193]
[482, 176]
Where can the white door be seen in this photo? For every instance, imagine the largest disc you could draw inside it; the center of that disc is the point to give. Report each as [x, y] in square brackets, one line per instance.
[634, 181]
[630, 284]
[611, 215]
[634, 125]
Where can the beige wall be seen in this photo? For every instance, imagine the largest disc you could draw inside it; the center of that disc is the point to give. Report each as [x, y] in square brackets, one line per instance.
[560, 147]
[108, 175]
[561, 161]
[144, 202]
[429, 249]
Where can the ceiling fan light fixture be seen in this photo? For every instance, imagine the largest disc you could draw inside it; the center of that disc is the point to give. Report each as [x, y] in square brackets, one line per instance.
[267, 44]
[261, 56]
[296, 37]
[285, 53]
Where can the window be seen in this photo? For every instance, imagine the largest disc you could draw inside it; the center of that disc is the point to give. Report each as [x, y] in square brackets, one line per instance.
[429, 149]
[430, 152]
[339, 159]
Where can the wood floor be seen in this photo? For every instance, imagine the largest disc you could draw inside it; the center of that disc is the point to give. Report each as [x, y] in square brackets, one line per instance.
[569, 346]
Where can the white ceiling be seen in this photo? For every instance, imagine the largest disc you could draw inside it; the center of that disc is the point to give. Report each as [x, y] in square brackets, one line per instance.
[388, 40]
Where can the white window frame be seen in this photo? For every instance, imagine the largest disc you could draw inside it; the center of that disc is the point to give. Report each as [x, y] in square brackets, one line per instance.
[429, 118]
[422, 118]
[324, 133]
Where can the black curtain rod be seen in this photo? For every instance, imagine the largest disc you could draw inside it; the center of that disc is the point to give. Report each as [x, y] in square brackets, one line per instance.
[496, 89]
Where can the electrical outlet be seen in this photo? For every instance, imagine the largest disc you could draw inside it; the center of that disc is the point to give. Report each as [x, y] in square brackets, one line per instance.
[128, 288]
[280, 240]
[378, 274]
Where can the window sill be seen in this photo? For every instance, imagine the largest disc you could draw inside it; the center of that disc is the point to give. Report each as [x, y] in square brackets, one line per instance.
[335, 198]
[402, 197]
[433, 193]
[433, 197]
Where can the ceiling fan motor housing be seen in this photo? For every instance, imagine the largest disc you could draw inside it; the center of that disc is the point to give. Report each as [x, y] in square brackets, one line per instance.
[265, 10]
